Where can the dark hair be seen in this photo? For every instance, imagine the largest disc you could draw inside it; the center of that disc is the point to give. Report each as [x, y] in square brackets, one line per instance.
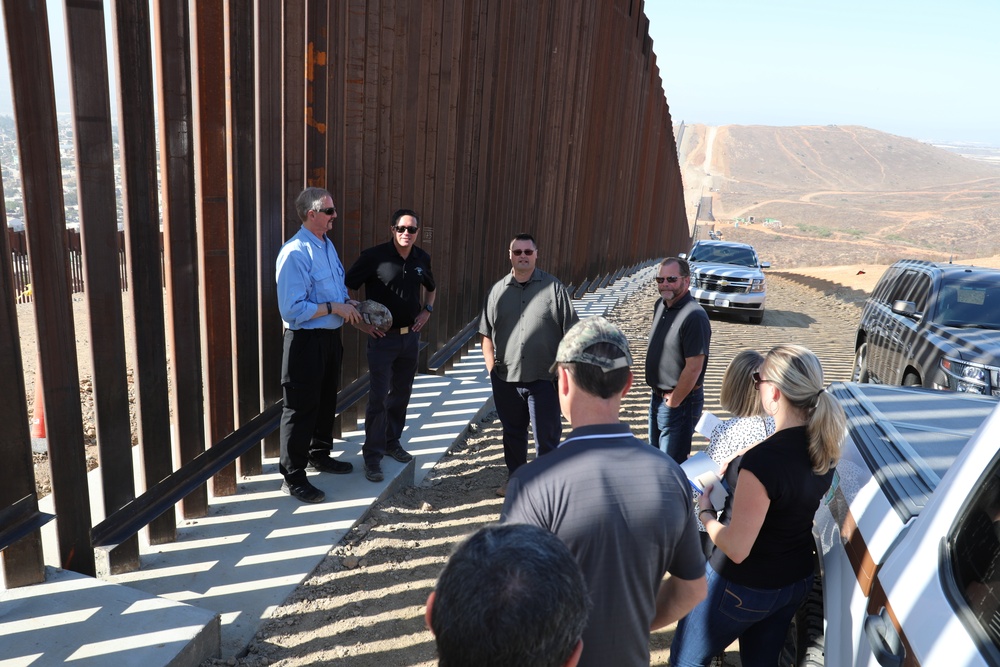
[682, 265]
[403, 212]
[310, 199]
[593, 379]
[524, 237]
[511, 594]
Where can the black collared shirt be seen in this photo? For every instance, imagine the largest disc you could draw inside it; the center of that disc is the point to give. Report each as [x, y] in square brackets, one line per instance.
[393, 281]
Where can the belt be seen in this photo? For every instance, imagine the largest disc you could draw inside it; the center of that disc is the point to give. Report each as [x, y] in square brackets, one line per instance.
[663, 393]
[399, 330]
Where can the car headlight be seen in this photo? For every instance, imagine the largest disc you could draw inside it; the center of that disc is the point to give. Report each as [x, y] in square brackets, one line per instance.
[757, 285]
[968, 378]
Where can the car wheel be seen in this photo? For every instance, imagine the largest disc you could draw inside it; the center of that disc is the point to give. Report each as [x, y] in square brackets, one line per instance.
[911, 380]
[860, 371]
[756, 319]
[805, 641]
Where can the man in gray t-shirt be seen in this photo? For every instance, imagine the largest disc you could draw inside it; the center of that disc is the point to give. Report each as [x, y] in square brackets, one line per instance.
[525, 316]
[622, 507]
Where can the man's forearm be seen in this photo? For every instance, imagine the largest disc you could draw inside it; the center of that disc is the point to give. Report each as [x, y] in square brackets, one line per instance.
[488, 353]
[676, 598]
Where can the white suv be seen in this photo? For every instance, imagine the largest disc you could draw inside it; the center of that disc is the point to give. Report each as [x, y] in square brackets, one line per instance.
[728, 278]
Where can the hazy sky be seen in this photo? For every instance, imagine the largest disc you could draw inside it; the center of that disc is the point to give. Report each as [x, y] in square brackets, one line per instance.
[925, 69]
[928, 70]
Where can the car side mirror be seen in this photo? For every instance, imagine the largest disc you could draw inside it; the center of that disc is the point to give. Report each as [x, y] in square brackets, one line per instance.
[683, 255]
[905, 308]
[765, 265]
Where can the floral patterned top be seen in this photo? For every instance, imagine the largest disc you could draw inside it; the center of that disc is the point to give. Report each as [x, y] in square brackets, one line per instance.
[734, 435]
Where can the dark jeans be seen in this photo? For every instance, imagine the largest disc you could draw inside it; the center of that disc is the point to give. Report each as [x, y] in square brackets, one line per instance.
[671, 429]
[392, 364]
[521, 403]
[758, 617]
[310, 376]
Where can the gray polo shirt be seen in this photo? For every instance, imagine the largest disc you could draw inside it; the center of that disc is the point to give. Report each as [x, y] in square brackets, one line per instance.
[526, 323]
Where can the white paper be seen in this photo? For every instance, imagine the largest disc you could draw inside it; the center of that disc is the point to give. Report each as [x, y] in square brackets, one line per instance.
[701, 471]
[707, 424]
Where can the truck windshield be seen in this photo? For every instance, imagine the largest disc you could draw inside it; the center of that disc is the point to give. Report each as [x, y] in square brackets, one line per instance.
[971, 304]
[724, 255]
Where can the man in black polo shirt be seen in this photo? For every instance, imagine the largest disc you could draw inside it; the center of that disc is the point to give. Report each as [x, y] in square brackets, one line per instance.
[394, 274]
[676, 361]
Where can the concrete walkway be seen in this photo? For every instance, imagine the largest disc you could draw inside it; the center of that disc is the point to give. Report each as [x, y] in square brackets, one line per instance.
[206, 594]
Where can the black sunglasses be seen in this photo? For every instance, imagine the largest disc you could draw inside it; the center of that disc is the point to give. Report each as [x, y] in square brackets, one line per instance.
[328, 211]
[403, 228]
[757, 380]
[527, 251]
[669, 279]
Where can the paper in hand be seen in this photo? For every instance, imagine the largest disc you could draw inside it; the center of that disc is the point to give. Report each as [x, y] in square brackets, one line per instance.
[701, 472]
[707, 424]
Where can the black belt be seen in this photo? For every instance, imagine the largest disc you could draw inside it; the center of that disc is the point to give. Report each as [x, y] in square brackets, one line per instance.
[400, 330]
[663, 393]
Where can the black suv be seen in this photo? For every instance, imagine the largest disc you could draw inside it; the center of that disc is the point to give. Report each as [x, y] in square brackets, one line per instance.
[932, 324]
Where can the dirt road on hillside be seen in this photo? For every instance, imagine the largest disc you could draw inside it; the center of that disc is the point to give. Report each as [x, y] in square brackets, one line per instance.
[364, 605]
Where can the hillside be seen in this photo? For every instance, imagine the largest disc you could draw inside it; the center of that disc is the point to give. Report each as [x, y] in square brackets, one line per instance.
[843, 195]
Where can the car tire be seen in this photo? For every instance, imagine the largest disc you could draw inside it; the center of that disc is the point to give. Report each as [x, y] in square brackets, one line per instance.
[860, 371]
[756, 319]
[911, 380]
[805, 641]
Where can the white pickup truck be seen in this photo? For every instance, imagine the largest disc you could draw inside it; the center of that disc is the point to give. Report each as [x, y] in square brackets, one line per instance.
[909, 534]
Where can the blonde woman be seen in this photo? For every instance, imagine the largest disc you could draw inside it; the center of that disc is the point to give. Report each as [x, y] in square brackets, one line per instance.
[749, 424]
[762, 567]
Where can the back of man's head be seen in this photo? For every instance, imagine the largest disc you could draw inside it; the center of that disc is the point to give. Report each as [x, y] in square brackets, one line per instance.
[511, 594]
[597, 355]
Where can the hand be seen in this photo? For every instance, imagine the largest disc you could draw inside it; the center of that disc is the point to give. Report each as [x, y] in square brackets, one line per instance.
[369, 329]
[421, 320]
[348, 312]
[705, 500]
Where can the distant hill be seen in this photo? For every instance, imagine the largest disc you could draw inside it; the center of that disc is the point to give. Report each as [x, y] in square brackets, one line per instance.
[842, 194]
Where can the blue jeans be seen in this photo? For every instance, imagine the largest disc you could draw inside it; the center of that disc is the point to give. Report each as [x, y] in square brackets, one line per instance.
[520, 404]
[392, 365]
[758, 617]
[671, 429]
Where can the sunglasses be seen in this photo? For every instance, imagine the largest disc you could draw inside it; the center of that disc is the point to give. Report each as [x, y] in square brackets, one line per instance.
[407, 230]
[669, 279]
[757, 380]
[527, 252]
[327, 211]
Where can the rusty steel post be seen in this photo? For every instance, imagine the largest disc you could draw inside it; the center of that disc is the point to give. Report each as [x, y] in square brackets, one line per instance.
[271, 200]
[140, 195]
[95, 174]
[38, 145]
[211, 162]
[173, 58]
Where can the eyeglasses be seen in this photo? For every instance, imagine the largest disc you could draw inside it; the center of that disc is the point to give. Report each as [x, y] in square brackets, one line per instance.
[758, 380]
[669, 279]
[408, 230]
[327, 211]
[528, 252]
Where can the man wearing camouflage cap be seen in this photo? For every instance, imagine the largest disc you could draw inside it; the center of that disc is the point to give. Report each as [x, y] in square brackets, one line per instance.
[623, 508]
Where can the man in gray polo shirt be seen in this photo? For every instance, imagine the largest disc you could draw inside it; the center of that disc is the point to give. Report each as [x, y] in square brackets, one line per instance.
[526, 314]
[623, 508]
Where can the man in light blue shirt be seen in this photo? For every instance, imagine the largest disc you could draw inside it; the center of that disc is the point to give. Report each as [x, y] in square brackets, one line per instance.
[314, 304]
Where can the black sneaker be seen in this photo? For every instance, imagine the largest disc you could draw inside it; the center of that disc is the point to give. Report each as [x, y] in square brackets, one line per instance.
[304, 491]
[329, 464]
[373, 473]
[400, 454]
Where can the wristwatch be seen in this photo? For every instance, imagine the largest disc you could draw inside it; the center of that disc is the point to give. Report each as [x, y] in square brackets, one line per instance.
[429, 308]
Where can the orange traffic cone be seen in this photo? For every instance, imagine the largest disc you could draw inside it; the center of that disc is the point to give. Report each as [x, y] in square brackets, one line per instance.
[38, 423]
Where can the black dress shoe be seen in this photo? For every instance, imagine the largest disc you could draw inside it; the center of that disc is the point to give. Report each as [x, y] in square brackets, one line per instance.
[329, 464]
[373, 473]
[304, 491]
[400, 454]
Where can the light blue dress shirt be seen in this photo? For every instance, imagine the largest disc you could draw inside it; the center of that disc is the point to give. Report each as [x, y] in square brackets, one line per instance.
[309, 274]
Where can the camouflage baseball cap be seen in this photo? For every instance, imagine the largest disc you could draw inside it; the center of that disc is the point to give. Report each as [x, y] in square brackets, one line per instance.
[587, 333]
